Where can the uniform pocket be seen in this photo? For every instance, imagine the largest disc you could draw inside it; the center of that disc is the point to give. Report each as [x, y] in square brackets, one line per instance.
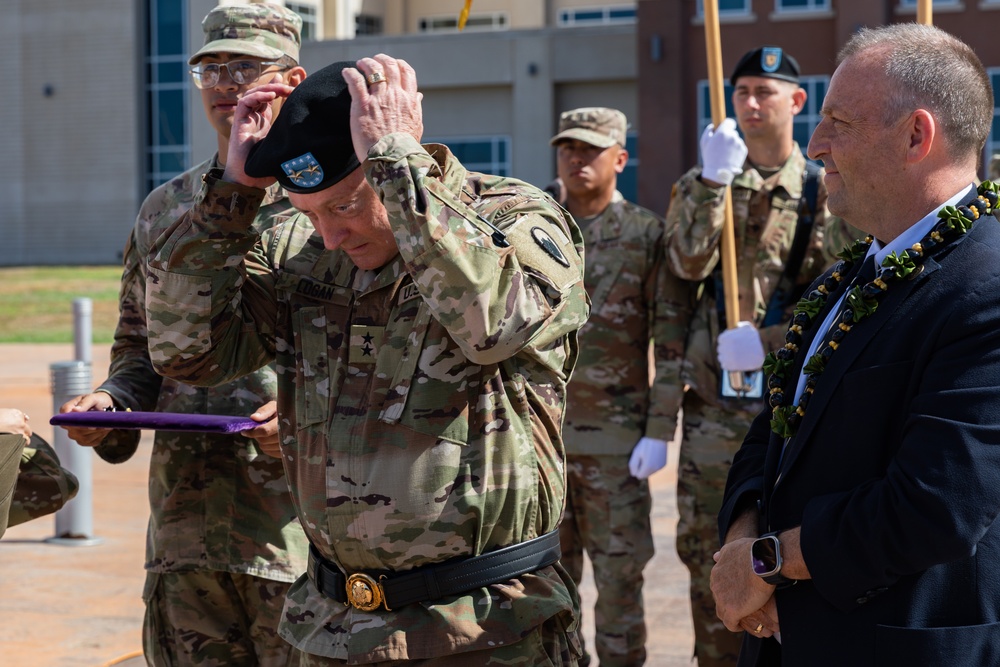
[429, 391]
[313, 367]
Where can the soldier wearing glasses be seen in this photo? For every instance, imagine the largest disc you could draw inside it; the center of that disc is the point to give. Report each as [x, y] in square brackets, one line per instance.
[223, 543]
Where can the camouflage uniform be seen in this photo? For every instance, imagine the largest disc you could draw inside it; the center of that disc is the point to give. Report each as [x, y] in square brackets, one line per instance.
[385, 478]
[611, 405]
[218, 504]
[43, 486]
[11, 446]
[765, 213]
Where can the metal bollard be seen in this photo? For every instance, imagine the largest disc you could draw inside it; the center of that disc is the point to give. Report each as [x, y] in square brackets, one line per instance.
[75, 521]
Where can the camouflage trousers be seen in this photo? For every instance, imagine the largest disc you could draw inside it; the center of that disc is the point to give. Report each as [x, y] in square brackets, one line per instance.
[549, 645]
[213, 619]
[712, 435]
[607, 515]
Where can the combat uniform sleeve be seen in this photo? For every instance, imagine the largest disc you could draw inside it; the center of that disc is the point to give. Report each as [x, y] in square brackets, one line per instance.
[132, 383]
[694, 222]
[210, 292]
[11, 445]
[494, 301]
[671, 303]
[43, 485]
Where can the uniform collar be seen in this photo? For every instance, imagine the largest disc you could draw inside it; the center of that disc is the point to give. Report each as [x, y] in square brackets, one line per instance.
[788, 178]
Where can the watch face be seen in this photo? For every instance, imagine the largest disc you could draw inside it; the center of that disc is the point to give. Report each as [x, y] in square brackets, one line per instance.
[764, 556]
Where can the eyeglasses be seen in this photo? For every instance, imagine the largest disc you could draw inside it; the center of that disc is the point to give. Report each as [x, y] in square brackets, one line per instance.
[242, 72]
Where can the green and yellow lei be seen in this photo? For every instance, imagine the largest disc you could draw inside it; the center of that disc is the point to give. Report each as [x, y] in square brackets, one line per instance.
[860, 303]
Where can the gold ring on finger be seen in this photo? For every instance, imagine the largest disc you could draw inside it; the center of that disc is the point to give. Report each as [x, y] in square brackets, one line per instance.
[760, 626]
[375, 77]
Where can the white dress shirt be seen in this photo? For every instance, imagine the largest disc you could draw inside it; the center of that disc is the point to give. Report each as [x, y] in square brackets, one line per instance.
[912, 235]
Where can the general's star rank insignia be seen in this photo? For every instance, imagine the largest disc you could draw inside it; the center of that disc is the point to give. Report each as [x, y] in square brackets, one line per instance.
[548, 244]
[364, 343]
[304, 171]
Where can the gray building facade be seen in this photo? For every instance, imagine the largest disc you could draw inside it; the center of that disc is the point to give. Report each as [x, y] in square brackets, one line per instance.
[103, 108]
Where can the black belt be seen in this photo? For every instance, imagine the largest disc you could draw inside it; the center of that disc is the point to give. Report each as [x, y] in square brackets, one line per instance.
[368, 591]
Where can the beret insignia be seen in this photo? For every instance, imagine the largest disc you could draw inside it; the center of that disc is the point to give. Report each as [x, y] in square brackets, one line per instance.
[304, 171]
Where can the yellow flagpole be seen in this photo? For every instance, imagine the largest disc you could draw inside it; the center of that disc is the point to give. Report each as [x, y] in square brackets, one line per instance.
[716, 91]
[925, 12]
[464, 16]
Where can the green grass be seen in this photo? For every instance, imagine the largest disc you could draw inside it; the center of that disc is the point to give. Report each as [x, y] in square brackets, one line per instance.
[36, 303]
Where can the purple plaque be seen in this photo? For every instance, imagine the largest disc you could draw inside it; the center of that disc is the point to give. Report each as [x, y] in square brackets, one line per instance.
[155, 421]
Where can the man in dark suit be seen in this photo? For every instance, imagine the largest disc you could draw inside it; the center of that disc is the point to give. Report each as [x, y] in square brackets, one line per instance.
[859, 516]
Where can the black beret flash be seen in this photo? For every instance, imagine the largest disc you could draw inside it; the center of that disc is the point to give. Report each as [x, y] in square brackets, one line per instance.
[309, 146]
[767, 61]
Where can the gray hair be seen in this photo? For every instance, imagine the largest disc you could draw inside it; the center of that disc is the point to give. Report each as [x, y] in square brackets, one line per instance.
[930, 69]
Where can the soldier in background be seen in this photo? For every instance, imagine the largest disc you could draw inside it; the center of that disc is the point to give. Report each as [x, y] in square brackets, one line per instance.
[784, 239]
[617, 423]
[423, 318]
[223, 543]
[32, 482]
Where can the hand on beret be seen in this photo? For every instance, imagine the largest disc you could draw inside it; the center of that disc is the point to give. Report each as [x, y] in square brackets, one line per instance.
[386, 107]
[722, 153]
[251, 123]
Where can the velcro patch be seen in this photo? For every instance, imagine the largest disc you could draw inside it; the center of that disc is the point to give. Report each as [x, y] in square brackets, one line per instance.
[542, 245]
[364, 343]
[303, 170]
[408, 292]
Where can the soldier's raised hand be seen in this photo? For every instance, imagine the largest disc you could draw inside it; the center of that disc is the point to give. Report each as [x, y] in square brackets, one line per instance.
[722, 153]
[740, 348]
[384, 100]
[251, 123]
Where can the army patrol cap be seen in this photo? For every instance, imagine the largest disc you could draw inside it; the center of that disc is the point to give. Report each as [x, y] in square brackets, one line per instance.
[770, 62]
[309, 146]
[262, 30]
[597, 126]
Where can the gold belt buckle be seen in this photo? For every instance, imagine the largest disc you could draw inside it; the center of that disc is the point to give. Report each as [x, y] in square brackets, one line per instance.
[364, 593]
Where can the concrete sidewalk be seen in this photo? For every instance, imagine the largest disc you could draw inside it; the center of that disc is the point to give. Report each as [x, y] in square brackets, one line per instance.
[80, 606]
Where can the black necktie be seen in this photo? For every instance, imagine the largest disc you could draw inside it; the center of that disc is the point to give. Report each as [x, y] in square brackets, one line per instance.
[867, 272]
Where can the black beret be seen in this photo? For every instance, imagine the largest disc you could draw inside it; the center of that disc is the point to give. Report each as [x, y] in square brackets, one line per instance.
[769, 62]
[309, 146]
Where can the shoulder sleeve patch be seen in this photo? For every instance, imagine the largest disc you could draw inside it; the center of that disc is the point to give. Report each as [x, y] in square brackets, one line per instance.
[542, 246]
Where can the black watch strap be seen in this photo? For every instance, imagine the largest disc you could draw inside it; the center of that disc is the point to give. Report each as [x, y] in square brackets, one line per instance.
[776, 578]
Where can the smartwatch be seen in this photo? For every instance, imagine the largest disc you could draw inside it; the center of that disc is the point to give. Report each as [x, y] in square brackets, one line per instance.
[765, 560]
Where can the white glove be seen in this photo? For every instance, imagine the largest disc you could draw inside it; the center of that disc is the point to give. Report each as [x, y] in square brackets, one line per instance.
[740, 349]
[722, 152]
[648, 456]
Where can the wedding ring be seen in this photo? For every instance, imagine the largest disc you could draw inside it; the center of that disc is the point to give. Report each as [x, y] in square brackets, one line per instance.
[375, 77]
[760, 626]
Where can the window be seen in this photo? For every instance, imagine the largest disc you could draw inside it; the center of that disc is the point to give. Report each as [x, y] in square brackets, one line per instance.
[310, 19]
[475, 22]
[804, 123]
[912, 4]
[801, 5]
[367, 24]
[488, 154]
[993, 140]
[168, 150]
[597, 16]
[727, 8]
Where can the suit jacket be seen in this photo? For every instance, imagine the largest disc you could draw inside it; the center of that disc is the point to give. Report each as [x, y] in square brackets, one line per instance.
[894, 477]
